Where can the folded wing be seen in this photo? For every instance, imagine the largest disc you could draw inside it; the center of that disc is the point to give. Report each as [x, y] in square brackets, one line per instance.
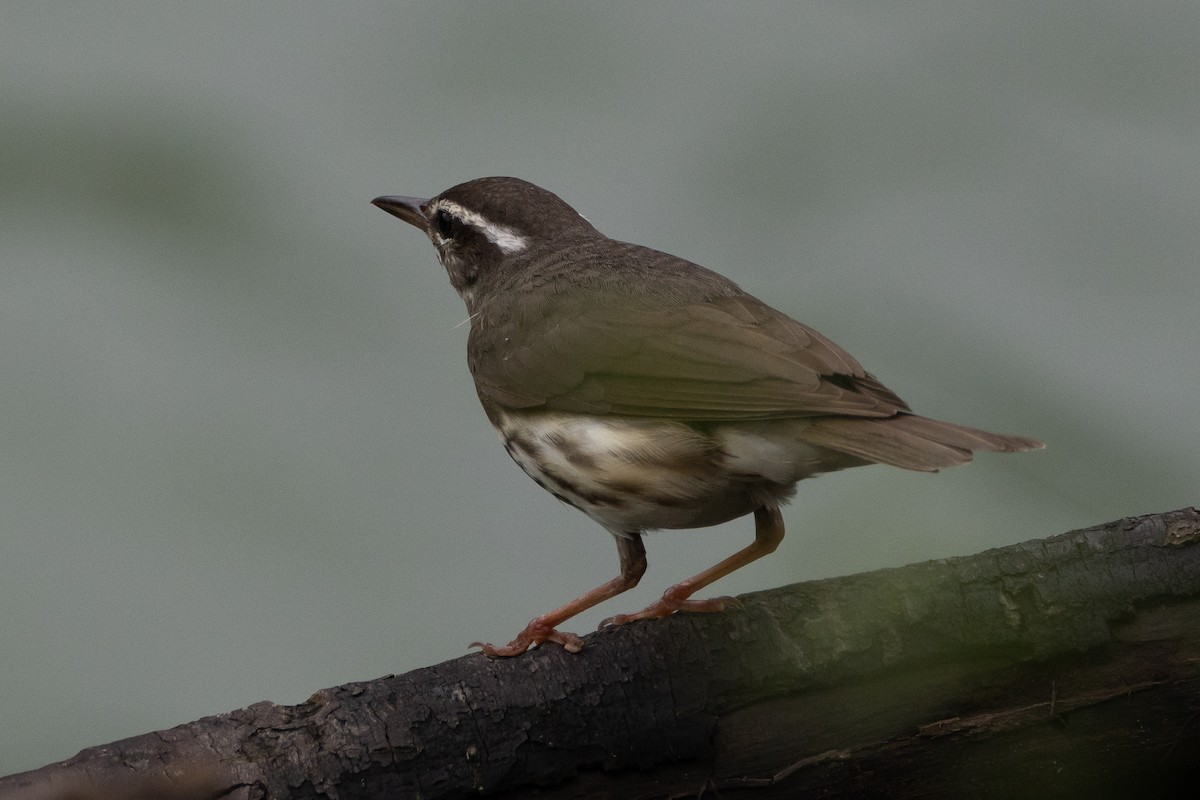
[729, 358]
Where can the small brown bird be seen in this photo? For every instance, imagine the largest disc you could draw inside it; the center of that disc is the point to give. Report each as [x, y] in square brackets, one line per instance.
[650, 392]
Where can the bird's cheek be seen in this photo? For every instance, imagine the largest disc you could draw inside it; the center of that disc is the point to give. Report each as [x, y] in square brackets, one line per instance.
[462, 273]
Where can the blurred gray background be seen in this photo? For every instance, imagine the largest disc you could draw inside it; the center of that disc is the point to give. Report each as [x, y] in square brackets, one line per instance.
[241, 457]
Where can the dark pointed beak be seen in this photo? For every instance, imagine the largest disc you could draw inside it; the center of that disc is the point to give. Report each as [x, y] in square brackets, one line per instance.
[406, 208]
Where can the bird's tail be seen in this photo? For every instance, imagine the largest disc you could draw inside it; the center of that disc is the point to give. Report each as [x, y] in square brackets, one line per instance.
[910, 441]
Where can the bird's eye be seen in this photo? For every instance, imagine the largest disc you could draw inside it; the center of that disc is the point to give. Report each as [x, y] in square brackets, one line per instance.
[445, 223]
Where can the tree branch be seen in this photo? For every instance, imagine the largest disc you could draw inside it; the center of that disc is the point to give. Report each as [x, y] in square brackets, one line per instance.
[1051, 668]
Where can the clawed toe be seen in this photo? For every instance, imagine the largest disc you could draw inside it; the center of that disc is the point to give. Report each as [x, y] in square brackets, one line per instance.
[710, 605]
[513, 648]
[614, 621]
[534, 634]
[667, 606]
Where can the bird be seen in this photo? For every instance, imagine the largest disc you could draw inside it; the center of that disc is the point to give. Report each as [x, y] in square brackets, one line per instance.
[652, 393]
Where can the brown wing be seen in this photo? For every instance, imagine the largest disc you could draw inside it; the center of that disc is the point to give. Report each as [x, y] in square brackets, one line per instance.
[730, 358]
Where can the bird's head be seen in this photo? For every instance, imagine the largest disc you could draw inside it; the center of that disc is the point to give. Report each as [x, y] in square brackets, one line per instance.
[478, 225]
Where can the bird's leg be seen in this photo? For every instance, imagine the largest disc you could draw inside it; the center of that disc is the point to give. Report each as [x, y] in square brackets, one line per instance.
[768, 533]
[542, 629]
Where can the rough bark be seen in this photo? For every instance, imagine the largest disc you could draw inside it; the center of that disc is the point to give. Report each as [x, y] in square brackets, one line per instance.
[1063, 667]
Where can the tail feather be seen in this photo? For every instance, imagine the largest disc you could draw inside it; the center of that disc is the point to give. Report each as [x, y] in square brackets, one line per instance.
[910, 441]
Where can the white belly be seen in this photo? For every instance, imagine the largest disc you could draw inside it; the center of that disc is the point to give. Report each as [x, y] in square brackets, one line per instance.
[638, 474]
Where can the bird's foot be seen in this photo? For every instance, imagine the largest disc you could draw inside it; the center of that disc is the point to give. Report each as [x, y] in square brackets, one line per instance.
[536, 632]
[671, 602]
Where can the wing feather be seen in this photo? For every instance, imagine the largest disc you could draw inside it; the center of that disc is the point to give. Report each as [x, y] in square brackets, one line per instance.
[726, 358]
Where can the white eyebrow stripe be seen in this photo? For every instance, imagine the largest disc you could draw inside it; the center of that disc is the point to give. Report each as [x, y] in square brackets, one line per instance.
[505, 238]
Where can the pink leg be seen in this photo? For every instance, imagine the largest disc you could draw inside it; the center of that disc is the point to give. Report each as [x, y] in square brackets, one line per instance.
[542, 629]
[768, 533]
